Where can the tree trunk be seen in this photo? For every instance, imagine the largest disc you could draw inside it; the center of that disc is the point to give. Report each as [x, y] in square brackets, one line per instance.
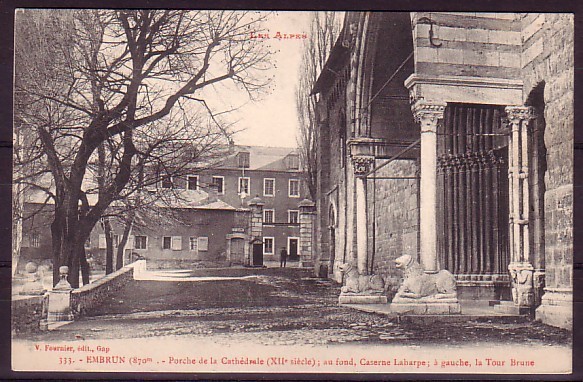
[109, 247]
[74, 271]
[85, 271]
[57, 239]
[120, 249]
[16, 241]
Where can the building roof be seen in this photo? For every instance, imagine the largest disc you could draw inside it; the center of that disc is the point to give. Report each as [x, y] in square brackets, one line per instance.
[185, 199]
[338, 58]
[260, 158]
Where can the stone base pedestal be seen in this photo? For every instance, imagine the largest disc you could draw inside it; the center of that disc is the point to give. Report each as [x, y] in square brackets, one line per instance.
[34, 287]
[556, 309]
[509, 307]
[58, 307]
[346, 298]
[434, 306]
[483, 290]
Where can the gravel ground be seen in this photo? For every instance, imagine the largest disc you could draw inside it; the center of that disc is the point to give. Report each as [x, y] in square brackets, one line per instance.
[277, 307]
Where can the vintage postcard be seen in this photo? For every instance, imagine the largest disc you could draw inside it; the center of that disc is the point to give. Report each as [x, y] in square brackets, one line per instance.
[292, 192]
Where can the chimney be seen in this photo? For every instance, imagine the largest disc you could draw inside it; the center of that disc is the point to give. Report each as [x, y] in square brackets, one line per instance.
[213, 192]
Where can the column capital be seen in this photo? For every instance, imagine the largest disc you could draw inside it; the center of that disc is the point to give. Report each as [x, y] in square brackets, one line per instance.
[428, 113]
[362, 164]
[516, 114]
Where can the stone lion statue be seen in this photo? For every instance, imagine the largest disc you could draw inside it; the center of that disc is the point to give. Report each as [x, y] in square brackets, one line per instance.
[420, 285]
[360, 284]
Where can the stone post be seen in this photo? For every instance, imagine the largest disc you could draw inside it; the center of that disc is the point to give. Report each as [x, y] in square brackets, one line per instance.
[362, 165]
[428, 115]
[256, 228]
[520, 267]
[307, 217]
[57, 303]
[418, 293]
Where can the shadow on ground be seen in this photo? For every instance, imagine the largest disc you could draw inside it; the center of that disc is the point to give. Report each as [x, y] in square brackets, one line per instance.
[277, 306]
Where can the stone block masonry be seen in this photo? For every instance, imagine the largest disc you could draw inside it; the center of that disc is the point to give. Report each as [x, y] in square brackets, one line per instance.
[26, 314]
[91, 295]
[548, 60]
[394, 207]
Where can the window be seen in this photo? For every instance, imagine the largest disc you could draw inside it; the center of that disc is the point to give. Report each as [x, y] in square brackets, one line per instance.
[220, 182]
[35, 240]
[166, 242]
[140, 242]
[294, 188]
[268, 245]
[102, 241]
[167, 181]
[244, 185]
[192, 182]
[193, 244]
[176, 244]
[268, 187]
[243, 159]
[293, 216]
[293, 162]
[268, 216]
[203, 243]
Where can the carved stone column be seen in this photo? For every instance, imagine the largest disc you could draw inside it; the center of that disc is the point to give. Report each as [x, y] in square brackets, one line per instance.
[362, 165]
[428, 115]
[520, 267]
[418, 293]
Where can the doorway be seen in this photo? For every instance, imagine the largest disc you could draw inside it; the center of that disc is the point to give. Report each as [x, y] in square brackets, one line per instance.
[258, 254]
[237, 251]
[473, 179]
[292, 248]
[332, 241]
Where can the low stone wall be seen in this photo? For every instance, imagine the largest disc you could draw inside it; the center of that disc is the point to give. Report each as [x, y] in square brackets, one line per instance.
[91, 295]
[185, 264]
[26, 314]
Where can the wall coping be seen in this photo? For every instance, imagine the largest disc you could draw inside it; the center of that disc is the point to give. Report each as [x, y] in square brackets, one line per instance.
[102, 281]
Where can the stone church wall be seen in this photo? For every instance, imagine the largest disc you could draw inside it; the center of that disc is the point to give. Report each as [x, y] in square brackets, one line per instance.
[548, 56]
[395, 215]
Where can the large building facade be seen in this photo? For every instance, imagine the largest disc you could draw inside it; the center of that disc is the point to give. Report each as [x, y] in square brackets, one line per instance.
[274, 175]
[449, 137]
[250, 200]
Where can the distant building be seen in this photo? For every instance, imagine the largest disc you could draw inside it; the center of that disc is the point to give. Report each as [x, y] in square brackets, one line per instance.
[209, 222]
[275, 176]
[449, 137]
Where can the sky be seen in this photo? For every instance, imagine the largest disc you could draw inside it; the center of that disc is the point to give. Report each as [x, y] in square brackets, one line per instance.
[272, 121]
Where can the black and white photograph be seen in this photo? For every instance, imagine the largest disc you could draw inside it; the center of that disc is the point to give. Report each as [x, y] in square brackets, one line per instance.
[268, 191]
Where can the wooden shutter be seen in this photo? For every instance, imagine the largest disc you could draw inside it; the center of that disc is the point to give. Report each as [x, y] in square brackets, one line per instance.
[176, 244]
[102, 242]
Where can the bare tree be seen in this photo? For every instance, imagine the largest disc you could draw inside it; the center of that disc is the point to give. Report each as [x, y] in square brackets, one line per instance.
[163, 154]
[324, 29]
[94, 77]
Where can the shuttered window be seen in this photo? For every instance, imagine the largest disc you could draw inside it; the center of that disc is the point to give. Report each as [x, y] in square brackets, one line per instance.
[203, 244]
[176, 243]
